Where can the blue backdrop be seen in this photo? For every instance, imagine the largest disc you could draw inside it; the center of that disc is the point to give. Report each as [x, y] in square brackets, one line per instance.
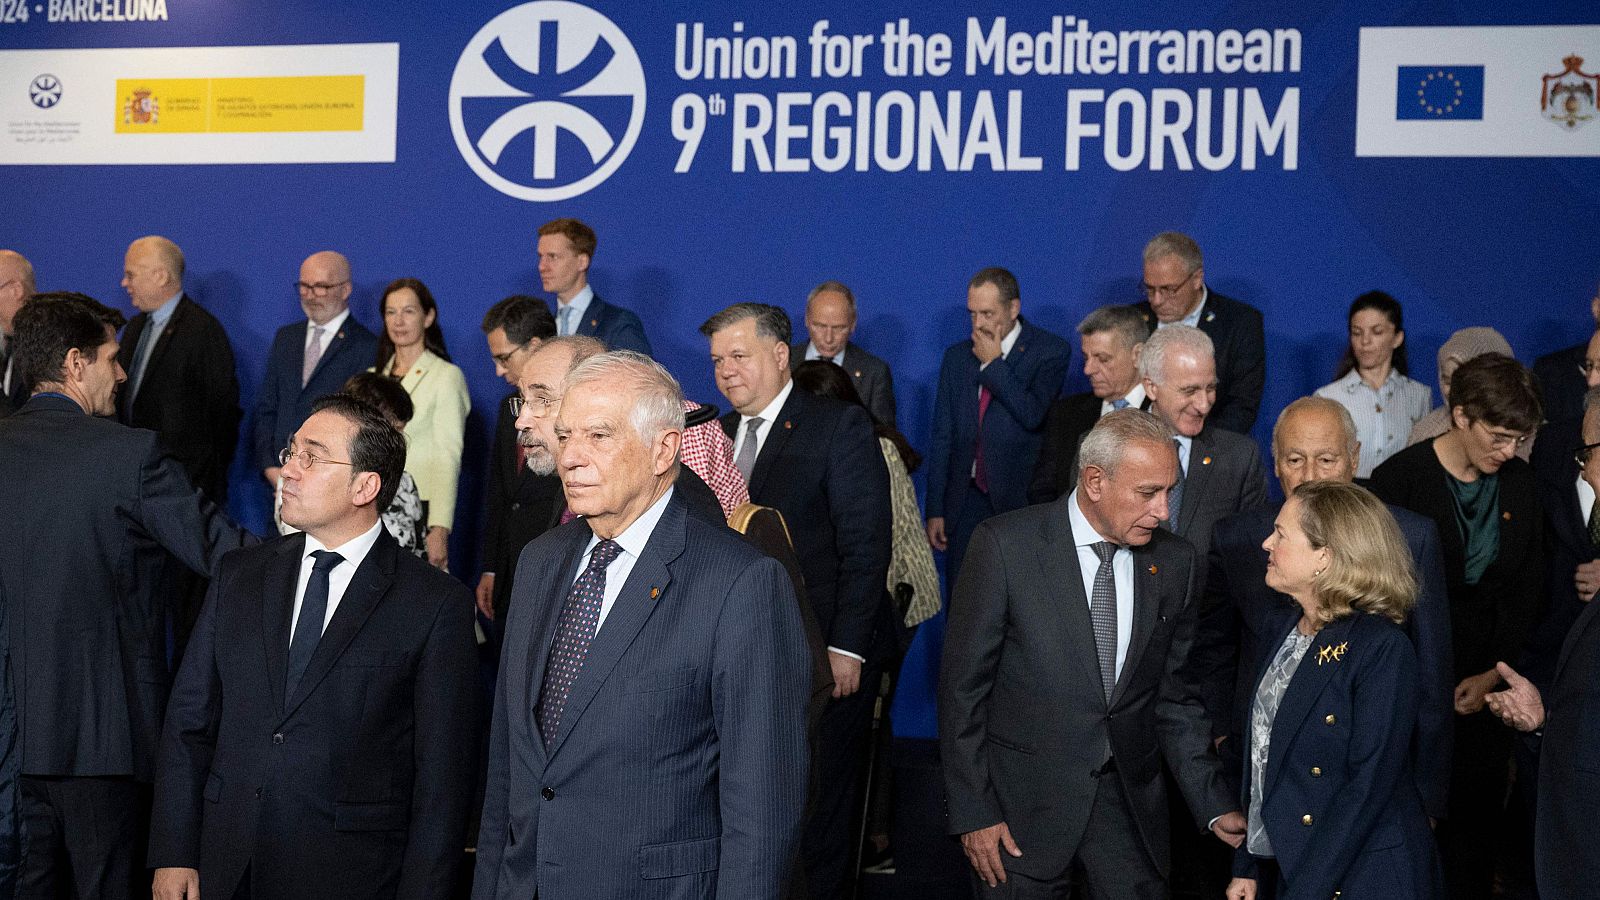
[1461, 241]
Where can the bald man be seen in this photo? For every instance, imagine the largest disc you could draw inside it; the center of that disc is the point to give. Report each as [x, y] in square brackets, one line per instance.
[16, 286]
[830, 323]
[310, 358]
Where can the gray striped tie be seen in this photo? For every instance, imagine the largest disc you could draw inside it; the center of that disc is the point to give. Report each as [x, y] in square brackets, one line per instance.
[746, 462]
[1103, 612]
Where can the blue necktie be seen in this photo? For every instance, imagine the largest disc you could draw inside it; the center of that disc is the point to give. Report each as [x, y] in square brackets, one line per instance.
[308, 629]
[580, 619]
[1119, 403]
[566, 320]
[1175, 499]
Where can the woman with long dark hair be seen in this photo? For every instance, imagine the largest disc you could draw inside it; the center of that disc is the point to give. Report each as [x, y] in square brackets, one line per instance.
[1373, 382]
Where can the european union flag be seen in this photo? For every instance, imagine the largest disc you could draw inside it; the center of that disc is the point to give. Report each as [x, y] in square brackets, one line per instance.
[1439, 92]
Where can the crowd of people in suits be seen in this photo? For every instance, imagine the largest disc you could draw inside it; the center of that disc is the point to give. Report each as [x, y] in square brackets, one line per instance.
[1155, 681]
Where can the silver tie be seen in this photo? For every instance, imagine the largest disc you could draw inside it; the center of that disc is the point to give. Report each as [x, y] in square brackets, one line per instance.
[747, 453]
[1103, 613]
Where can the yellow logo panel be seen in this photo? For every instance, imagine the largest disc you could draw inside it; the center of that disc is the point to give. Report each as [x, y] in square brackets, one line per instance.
[232, 105]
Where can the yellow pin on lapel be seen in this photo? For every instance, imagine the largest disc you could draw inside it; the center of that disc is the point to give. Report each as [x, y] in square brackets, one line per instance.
[655, 592]
[1205, 461]
[1506, 515]
[1153, 570]
[788, 425]
[594, 323]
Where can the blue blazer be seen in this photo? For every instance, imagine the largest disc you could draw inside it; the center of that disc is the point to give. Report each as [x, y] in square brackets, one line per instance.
[1023, 384]
[679, 770]
[284, 404]
[1339, 802]
[617, 328]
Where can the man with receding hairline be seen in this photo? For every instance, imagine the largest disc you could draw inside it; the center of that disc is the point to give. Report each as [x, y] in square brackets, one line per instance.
[830, 322]
[16, 286]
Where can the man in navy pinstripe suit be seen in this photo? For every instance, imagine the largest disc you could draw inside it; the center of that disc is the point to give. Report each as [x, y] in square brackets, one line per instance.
[649, 735]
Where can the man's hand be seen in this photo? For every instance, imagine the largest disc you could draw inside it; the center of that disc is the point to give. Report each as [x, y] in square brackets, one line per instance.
[983, 851]
[1242, 889]
[486, 595]
[1472, 689]
[271, 474]
[846, 674]
[438, 542]
[1230, 828]
[1587, 580]
[176, 884]
[936, 538]
[1519, 705]
[985, 346]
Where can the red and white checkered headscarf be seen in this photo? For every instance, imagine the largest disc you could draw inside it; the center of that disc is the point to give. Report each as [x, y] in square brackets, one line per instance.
[708, 450]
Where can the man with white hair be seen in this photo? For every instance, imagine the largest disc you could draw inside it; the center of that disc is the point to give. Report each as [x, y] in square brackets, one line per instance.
[16, 286]
[650, 721]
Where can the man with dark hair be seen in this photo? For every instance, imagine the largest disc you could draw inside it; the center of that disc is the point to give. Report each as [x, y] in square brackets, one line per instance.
[830, 321]
[16, 286]
[519, 500]
[566, 248]
[90, 509]
[988, 418]
[340, 762]
[817, 461]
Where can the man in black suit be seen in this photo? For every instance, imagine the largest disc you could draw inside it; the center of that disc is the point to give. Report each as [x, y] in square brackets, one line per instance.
[1175, 293]
[566, 248]
[519, 499]
[830, 321]
[16, 286]
[312, 358]
[817, 461]
[1083, 607]
[181, 382]
[1111, 339]
[1566, 374]
[320, 740]
[90, 509]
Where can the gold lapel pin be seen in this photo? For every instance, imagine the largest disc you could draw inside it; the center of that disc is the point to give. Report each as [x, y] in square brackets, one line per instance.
[594, 323]
[1506, 515]
[1205, 461]
[340, 335]
[858, 373]
[1324, 654]
[1339, 651]
[655, 592]
[787, 424]
[1154, 570]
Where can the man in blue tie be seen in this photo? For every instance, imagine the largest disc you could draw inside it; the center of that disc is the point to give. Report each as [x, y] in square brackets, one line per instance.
[566, 248]
[320, 739]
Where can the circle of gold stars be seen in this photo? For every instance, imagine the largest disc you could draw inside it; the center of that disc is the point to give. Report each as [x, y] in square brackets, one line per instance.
[1431, 77]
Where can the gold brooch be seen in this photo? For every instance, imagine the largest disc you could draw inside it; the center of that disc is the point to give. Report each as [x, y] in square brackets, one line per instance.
[655, 592]
[1330, 653]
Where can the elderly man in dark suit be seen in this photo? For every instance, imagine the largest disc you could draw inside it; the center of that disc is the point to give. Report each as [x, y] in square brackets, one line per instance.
[830, 322]
[310, 359]
[1176, 293]
[90, 509]
[1315, 440]
[1565, 375]
[817, 461]
[1111, 338]
[16, 286]
[1083, 607]
[649, 729]
[988, 418]
[566, 248]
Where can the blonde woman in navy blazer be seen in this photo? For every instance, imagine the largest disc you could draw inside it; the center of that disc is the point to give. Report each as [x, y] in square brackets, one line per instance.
[1332, 807]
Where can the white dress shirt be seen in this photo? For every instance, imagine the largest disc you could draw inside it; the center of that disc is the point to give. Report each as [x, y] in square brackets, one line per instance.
[579, 304]
[767, 414]
[1085, 537]
[1585, 500]
[1185, 445]
[329, 331]
[354, 551]
[1193, 318]
[632, 540]
[1134, 397]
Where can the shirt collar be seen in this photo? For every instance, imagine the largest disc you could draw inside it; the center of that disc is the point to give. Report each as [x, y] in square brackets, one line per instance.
[354, 550]
[333, 326]
[813, 353]
[1010, 340]
[1352, 380]
[578, 304]
[769, 413]
[1134, 397]
[635, 536]
[163, 313]
[1083, 534]
[1193, 318]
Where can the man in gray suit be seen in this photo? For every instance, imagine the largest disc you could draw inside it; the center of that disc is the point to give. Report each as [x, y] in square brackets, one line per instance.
[830, 321]
[649, 730]
[1083, 607]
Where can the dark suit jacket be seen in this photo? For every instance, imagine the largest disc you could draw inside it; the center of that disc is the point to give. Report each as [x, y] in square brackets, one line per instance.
[821, 467]
[90, 509]
[1561, 384]
[10, 401]
[869, 373]
[679, 767]
[1339, 801]
[1022, 384]
[359, 783]
[284, 403]
[1069, 419]
[1239, 612]
[617, 328]
[1225, 476]
[521, 505]
[1241, 351]
[1566, 544]
[1023, 720]
[189, 394]
[1491, 621]
[1566, 855]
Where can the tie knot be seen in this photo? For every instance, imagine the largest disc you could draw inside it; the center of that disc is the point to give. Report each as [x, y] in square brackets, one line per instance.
[325, 560]
[752, 426]
[1120, 403]
[1105, 550]
[604, 552]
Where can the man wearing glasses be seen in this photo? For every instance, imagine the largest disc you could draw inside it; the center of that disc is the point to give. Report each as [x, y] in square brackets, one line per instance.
[16, 286]
[312, 358]
[1175, 293]
[1566, 374]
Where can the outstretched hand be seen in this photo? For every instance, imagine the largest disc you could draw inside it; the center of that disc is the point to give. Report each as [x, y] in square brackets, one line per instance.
[1519, 705]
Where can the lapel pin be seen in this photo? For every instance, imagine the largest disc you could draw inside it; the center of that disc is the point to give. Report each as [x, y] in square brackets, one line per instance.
[1506, 515]
[1154, 570]
[1339, 651]
[594, 323]
[340, 335]
[1211, 315]
[858, 373]
[1205, 461]
[655, 592]
[787, 424]
[1324, 654]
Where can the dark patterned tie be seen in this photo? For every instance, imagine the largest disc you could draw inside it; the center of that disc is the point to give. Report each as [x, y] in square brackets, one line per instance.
[1175, 498]
[1103, 612]
[575, 631]
[1594, 525]
[308, 628]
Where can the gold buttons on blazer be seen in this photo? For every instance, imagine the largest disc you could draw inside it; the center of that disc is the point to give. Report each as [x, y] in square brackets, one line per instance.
[1316, 771]
[1305, 819]
[1330, 719]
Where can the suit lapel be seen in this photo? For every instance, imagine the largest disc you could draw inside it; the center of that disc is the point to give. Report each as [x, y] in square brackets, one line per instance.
[1197, 481]
[165, 338]
[646, 586]
[1147, 581]
[369, 585]
[789, 417]
[1305, 687]
[336, 342]
[1584, 623]
[281, 578]
[592, 314]
[542, 634]
[1059, 566]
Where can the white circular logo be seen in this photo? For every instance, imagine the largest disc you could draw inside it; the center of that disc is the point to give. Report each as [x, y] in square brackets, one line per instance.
[547, 100]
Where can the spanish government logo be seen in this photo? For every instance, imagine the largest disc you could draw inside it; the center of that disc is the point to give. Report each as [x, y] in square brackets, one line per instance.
[1568, 97]
[547, 100]
[45, 91]
[141, 108]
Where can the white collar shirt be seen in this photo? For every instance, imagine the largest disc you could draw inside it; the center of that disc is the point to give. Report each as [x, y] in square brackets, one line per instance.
[1084, 537]
[354, 551]
[1134, 397]
[632, 540]
[579, 304]
[767, 415]
[329, 330]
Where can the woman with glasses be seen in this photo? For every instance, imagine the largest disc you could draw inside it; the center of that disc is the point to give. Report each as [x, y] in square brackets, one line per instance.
[411, 351]
[1483, 500]
[1373, 382]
